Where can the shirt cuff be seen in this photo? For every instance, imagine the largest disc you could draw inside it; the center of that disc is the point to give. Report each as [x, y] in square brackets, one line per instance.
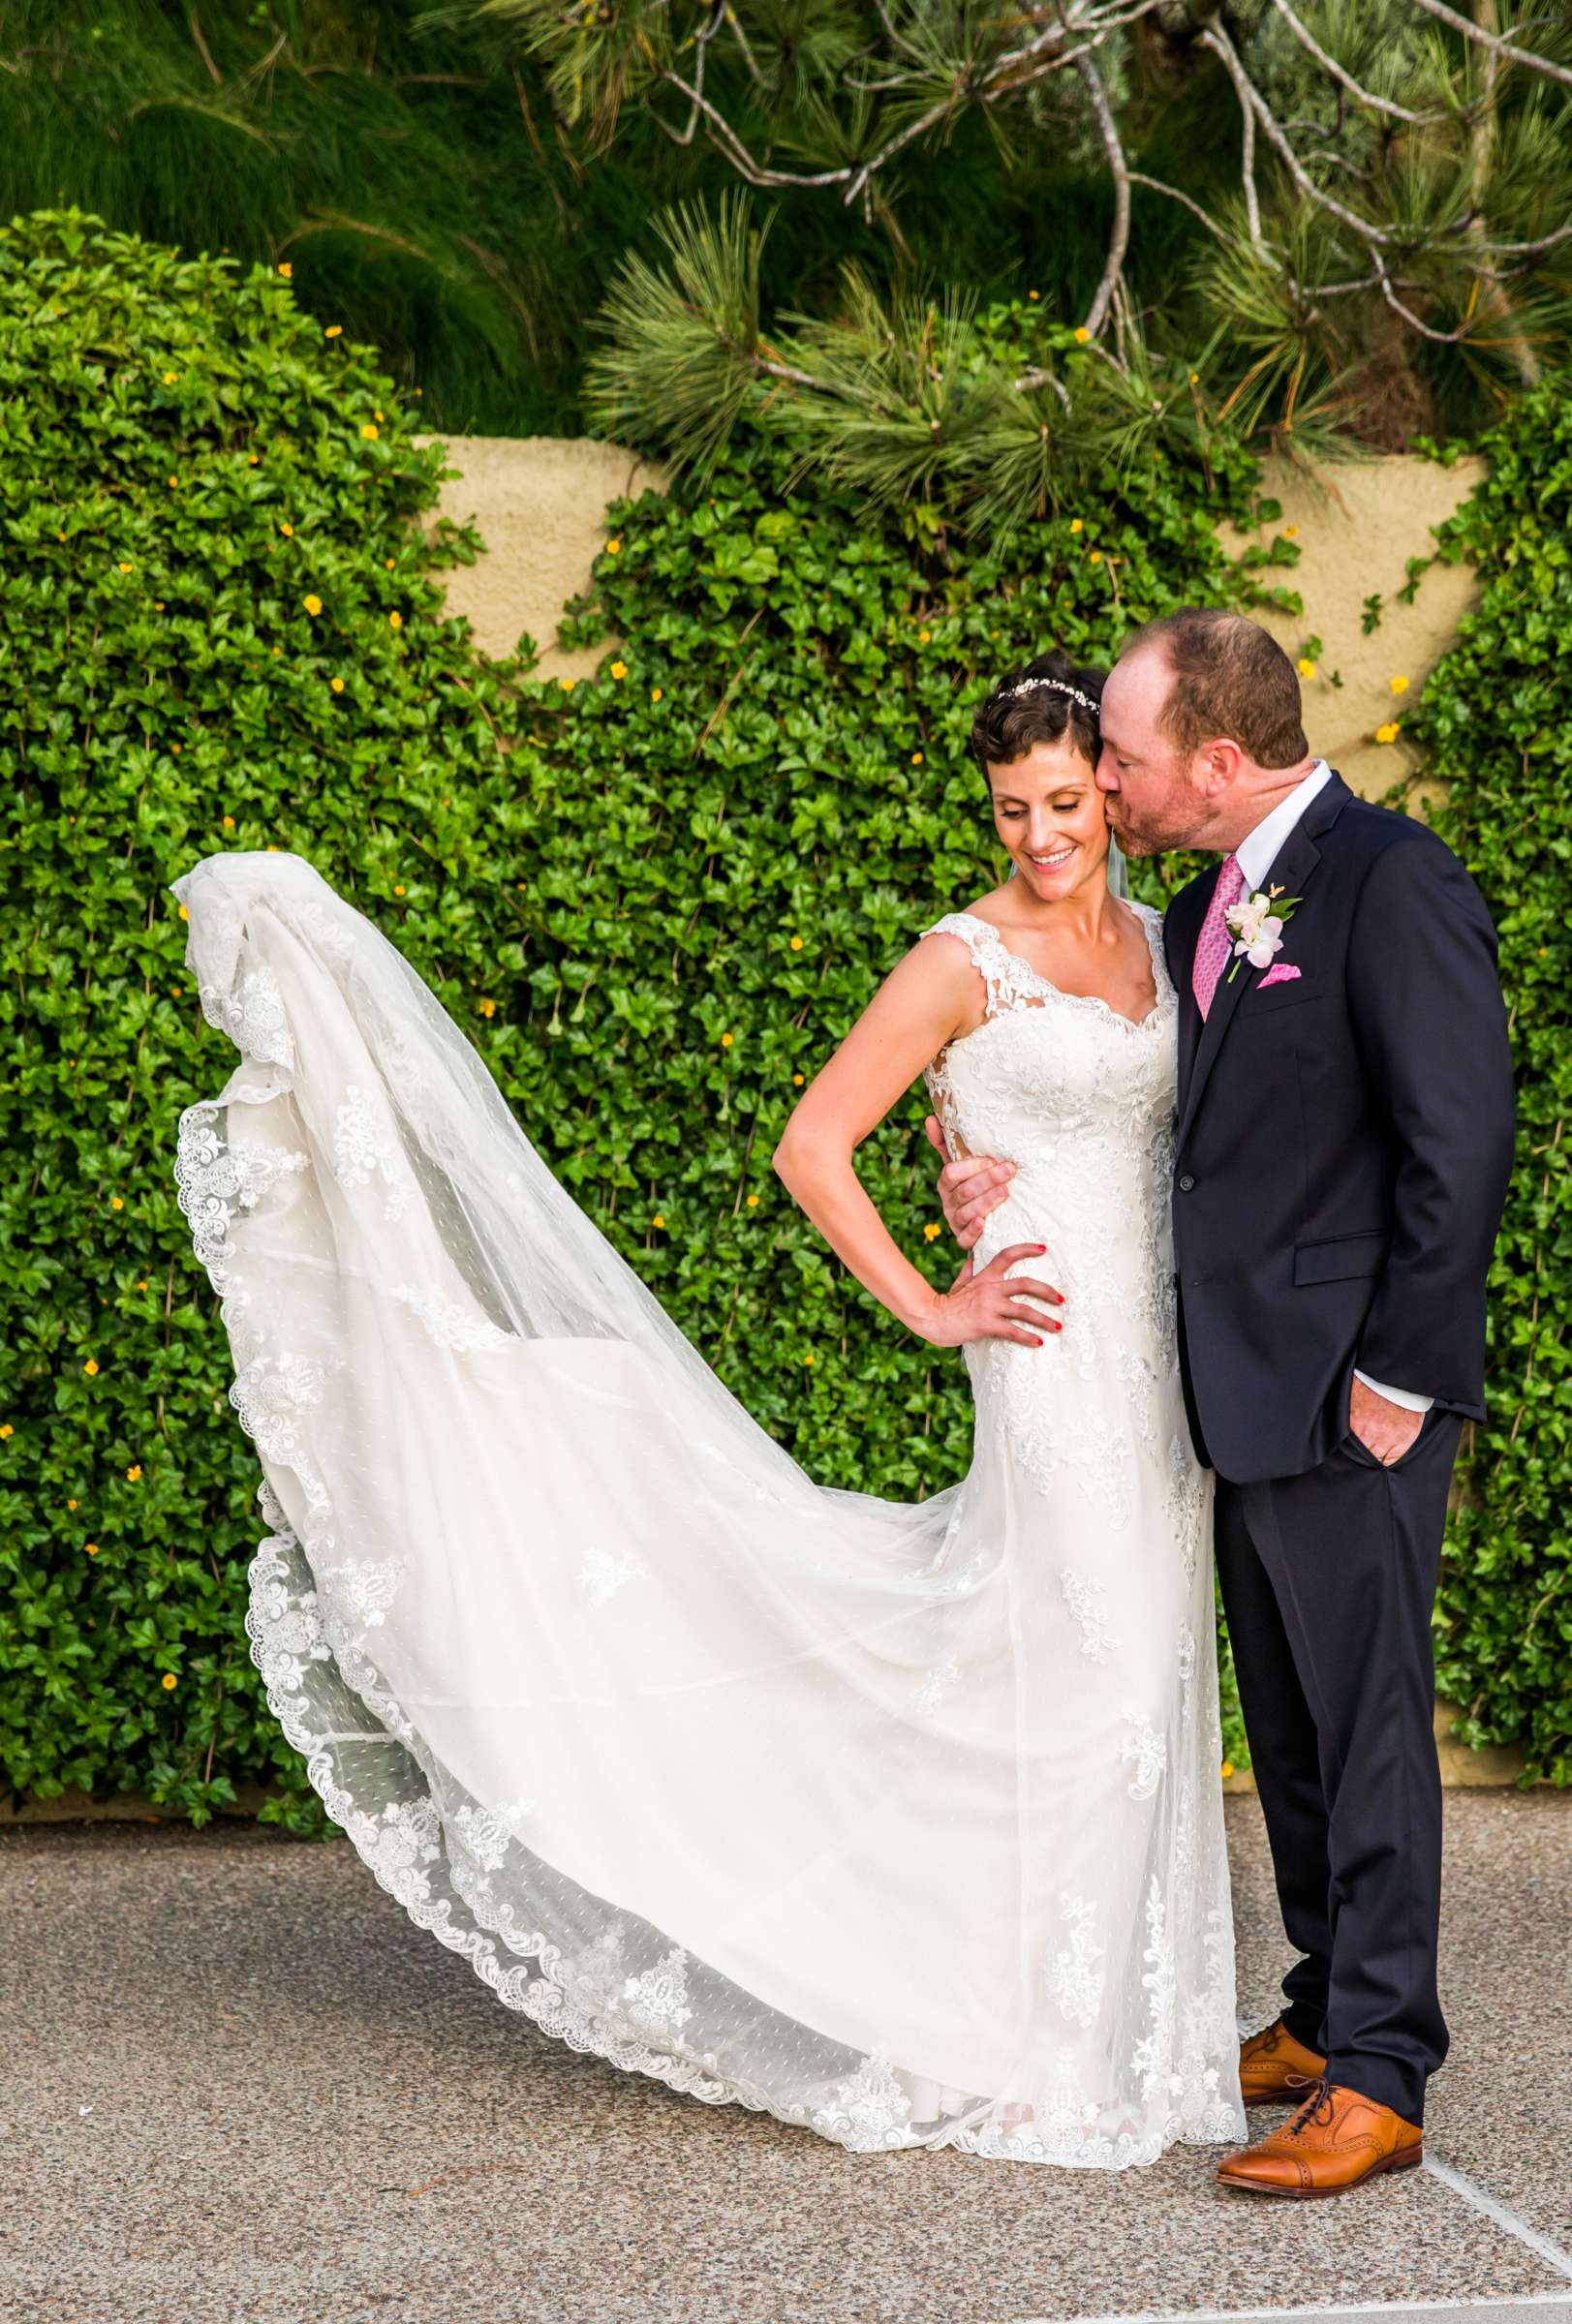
[1397, 1395]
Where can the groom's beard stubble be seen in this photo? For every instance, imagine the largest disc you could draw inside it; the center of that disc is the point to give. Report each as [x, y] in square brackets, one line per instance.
[1157, 831]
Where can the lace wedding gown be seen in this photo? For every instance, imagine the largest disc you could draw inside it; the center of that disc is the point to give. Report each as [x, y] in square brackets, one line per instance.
[899, 1822]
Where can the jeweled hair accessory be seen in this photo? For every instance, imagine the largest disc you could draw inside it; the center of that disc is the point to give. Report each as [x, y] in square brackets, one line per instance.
[1025, 685]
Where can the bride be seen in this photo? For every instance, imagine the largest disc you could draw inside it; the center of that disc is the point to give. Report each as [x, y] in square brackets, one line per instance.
[902, 1823]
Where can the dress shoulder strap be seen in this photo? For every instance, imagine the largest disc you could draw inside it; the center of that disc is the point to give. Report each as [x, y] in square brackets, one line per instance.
[1009, 981]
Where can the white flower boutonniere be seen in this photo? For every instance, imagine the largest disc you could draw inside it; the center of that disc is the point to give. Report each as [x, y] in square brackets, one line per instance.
[1256, 926]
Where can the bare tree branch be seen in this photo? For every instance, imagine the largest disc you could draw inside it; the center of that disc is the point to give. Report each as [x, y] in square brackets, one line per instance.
[1119, 239]
[1345, 79]
[1218, 40]
[1492, 40]
[1224, 47]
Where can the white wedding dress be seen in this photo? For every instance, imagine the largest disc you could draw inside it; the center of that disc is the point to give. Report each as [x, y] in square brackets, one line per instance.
[899, 1822]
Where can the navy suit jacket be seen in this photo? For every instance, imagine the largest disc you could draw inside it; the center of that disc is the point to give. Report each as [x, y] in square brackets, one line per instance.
[1343, 1146]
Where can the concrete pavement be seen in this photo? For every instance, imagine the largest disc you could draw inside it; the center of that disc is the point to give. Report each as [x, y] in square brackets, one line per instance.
[242, 2089]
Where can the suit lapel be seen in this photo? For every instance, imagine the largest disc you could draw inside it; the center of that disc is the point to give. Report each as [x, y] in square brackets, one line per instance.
[1291, 870]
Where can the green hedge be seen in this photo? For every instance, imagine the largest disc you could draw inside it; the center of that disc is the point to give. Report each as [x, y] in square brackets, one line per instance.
[1496, 725]
[653, 900]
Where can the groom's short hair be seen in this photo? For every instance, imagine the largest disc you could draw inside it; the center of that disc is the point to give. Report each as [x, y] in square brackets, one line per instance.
[1230, 679]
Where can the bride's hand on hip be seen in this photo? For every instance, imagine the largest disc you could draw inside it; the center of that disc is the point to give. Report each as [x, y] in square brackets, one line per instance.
[992, 1303]
[970, 1187]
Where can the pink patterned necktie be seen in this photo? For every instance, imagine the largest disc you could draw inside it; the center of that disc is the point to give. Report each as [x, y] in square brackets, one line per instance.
[1214, 944]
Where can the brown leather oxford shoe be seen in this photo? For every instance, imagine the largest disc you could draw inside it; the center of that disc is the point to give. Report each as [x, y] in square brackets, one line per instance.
[1335, 2142]
[1274, 2069]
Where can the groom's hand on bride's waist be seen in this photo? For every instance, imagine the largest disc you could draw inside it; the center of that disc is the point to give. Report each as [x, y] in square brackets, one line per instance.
[970, 1187]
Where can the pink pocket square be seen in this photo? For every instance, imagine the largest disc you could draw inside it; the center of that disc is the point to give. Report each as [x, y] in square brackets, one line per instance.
[1283, 974]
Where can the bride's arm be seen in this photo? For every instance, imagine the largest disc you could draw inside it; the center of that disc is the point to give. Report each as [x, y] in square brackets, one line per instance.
[926, 1000]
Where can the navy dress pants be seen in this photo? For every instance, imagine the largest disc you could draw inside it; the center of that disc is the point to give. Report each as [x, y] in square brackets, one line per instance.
[1328, 1581]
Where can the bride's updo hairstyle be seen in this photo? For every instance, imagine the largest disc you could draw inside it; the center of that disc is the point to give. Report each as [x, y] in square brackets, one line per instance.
[1049, 699]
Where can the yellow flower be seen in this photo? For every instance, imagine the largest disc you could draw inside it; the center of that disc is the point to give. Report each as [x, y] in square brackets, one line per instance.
[389, 565]
[287, 271]
[1095, 556]
[796, 1081]
[619, 669]
[376, 416]
[142, 1284]
[1076, 525]
[1290, 532]
[171, 1682]
[1306, 667]
[228, 823]
[796, 944]
[487, 1008]
[116, 1202]
[123, 567]
[90, 1368]
[288, 531]
[753, 1204]
[1034, 294]
[916, 759]
[658, 1220]
[169, 378]
[655, 693]
[923, 635]
[6, 1428]
[930, 1231]
[1226, 1770]
[91, 1547]
[613, 548]
[173, 481]
[158, 605]
[134, 1473]
[810, 1356]
[726, 1040]
[334, 330]
[337, 684]
[1398, 686]
[175, 747]
[395, 620]
[1082, 334]
[566, 684]
[71, 1504]
[370, 430]
[1388, 733]
[1195, 379]
[313, 607]
[253, 460]
[398, 891]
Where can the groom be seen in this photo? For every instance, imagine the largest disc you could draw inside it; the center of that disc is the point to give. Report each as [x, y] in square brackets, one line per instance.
[1344, 1139]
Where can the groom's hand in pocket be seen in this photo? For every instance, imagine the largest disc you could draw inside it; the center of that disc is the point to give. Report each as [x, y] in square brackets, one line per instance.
[970, 1187]
[1385, 1429]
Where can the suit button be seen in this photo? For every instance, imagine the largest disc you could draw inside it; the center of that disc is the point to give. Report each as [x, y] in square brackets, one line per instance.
[1185, 1183]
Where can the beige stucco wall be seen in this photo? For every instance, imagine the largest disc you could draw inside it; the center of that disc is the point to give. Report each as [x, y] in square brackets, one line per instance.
[539, 503]
[1357, 525]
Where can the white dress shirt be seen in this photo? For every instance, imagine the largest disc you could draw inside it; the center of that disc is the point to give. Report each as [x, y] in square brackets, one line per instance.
[1256, 857]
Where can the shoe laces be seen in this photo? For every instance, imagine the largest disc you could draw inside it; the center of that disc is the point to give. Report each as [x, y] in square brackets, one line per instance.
[1317, 2108]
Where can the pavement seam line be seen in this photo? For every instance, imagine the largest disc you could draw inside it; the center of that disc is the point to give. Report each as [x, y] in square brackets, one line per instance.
[1490, 2302]
[1503, 2214]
